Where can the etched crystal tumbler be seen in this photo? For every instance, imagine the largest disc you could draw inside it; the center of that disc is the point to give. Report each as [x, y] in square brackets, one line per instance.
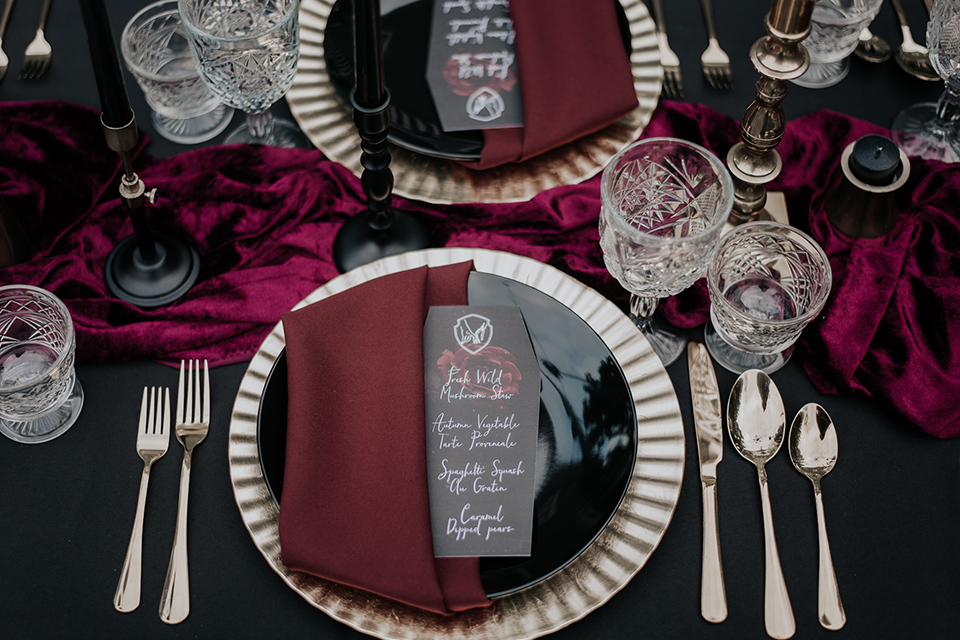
[156, 51]
[834, 28]
[767, 282]
[40, 396]
[664, 203]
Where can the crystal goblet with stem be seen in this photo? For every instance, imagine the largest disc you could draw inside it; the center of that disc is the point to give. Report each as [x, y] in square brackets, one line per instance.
[247, 53]
[835, 28]
[155, 50]
[929, 129]
[664, 204]
[40, 396]
[767, 282]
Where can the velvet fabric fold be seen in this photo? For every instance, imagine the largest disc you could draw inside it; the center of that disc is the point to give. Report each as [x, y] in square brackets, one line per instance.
[264, 220]
[355, 507]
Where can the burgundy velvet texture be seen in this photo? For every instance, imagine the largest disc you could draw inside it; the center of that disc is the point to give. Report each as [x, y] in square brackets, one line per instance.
[575, 77]
[264, 221]
[355, 507]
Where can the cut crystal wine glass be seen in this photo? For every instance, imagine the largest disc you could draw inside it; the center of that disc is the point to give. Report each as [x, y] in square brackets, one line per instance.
[835, 27]
[664, 204]
[767, 282]
[247, 53]
[929, 129]
[40, 396]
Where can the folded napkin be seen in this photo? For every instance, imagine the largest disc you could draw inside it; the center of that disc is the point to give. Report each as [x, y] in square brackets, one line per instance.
[575, 77]
[355, 507]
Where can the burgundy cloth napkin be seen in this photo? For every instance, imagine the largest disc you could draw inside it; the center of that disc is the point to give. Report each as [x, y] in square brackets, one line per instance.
[264, 220]
[575, 77]
[355, 507]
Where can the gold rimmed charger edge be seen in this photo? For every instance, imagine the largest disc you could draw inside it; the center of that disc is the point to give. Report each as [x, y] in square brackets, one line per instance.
[604, 568]
[328, 123]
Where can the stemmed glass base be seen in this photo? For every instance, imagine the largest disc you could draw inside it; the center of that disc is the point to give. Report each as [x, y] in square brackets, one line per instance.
[737, 361]
[263, 128]
[665, 339]
[48, 426]
[193, 130]
[820, 75]
[922, 133]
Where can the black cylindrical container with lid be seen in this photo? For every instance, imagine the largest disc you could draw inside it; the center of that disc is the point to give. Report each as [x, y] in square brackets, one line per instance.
[863, 205]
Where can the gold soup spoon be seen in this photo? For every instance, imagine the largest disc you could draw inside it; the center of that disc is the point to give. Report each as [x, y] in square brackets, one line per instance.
[813, 451]
[756, 419]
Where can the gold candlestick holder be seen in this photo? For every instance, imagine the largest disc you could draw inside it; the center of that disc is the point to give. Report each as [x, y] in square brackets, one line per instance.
[754, 162]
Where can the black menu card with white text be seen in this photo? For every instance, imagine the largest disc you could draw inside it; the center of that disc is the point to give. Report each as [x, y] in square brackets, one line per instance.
[482, 385]
[472, 65]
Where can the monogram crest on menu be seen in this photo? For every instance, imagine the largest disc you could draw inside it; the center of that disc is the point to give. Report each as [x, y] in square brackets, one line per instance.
[473, 333]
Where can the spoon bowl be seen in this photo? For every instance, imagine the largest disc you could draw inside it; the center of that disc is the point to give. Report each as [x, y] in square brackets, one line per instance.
[872, 48]
[912, 57]
[813, 451]
[756, 420]
[755, 417]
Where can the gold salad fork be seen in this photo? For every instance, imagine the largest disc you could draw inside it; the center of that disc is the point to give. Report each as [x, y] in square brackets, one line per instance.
[672, 82]
[36, 59]
[153, 438]
[193, 422]
[714, 61]
[3, 27]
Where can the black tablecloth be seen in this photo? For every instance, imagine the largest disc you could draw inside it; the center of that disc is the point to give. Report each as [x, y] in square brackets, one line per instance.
[892, 503]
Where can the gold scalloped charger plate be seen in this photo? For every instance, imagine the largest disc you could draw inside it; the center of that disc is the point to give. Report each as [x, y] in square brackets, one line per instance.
[583, 585]
[328, 123]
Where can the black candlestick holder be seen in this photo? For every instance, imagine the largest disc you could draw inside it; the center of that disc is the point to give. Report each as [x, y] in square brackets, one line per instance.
[149, 269]
[380, 231]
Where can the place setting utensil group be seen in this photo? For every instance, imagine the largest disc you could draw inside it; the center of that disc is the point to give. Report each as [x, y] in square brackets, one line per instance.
[153, 438]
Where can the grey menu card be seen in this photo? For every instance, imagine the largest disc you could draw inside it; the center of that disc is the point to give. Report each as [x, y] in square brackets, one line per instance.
[482, 385]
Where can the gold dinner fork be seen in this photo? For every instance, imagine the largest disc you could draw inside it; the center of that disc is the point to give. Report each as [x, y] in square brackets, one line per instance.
[193, 422]
[153, 438]
[36, 59]
[672, 82]
[3, 27]
[714, 61]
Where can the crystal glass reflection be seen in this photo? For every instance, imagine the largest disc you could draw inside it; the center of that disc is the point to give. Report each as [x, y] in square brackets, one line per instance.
[767, 282]
[929, 129]
[835, 27]
[40, 396]
[155, 49]
[247, 53]
[664, 203]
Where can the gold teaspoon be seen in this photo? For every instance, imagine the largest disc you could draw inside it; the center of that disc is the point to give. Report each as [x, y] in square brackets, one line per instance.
[756, 419]
[813, 451]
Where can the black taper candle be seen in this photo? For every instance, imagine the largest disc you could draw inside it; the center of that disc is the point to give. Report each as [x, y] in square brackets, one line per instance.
[369, 53]
[106, 65]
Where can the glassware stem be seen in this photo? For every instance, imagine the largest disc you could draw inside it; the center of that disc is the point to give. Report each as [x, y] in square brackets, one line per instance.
[666, 341]
[260, 127]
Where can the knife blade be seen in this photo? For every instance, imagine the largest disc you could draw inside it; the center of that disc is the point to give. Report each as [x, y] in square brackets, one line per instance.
[708, 423]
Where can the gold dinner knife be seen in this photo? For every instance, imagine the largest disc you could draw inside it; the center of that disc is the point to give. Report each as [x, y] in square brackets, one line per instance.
[708, 422]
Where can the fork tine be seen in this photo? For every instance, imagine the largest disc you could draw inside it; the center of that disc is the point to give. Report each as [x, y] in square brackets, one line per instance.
[206, 392]
[151, 421]
[181, 417]
[165, 422]
[188, 413]
[143, 412]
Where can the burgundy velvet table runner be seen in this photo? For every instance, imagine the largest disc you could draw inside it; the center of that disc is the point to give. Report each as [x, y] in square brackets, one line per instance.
[264, 220]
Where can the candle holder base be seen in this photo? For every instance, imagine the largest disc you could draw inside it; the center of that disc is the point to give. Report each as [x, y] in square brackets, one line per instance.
[359, 241]
[149, 284]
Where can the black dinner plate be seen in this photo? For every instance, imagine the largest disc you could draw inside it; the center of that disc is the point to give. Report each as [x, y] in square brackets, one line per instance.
[414, 124]
[587, 440]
